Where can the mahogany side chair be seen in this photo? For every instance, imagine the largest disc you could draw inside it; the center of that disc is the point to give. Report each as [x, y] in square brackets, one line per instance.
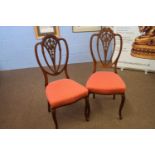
[64, 91]
[102, 48]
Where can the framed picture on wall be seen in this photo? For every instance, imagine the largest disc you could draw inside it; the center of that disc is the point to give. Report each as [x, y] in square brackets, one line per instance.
[86, 28]
[41, 31]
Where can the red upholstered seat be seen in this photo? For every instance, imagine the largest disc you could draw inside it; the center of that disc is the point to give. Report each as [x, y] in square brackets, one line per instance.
[105, 83]
[64, 91]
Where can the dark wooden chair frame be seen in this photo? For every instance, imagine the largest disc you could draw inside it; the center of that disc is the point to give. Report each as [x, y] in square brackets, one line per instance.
[49, 44]
[105, 36]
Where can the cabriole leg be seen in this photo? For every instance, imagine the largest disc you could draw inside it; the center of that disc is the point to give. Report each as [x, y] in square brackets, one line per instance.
[54, 118]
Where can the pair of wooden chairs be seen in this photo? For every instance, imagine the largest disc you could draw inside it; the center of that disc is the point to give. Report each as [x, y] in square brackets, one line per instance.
[66, 91]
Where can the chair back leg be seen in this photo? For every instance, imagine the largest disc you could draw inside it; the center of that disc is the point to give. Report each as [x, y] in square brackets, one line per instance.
[49, 107]
[121, 106]
[114, 97]
[94, 95]
[87, 108]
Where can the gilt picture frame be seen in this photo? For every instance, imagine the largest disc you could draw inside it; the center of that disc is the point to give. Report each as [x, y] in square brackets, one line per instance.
[41, 31]
[77, 29]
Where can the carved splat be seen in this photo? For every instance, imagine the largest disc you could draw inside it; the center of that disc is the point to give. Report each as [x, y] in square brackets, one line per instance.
[50, 45]
[106, 36]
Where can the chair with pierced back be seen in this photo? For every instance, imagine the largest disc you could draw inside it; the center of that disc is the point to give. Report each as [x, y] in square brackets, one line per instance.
[64, 91]
[102, 48]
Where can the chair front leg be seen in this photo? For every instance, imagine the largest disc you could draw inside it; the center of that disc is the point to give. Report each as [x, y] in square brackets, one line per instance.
[54, 118]
[87, 108]
[121, 106]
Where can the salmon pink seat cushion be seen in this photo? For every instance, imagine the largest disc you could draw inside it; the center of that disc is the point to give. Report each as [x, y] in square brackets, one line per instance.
[64, 91]
[105, 83]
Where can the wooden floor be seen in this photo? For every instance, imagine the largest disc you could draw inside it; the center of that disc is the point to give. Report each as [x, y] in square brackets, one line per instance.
[23, 102]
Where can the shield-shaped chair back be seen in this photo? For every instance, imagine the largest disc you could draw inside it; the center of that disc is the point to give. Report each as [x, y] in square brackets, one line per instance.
[102, 48]
[52, 56]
